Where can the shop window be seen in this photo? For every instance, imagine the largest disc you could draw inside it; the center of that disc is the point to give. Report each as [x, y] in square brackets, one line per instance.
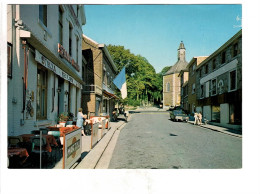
[232, 80]
[9, 60]
[213, 87]
[41, 104]
[43, 14]
[60, 25]
[215, 114]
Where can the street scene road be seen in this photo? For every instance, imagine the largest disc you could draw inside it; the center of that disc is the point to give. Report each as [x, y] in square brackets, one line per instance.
[151, 140]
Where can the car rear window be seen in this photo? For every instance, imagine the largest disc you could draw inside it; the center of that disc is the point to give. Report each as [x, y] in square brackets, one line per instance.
[179, 112]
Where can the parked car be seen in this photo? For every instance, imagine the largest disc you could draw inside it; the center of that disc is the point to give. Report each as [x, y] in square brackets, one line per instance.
[176, 108]
[179, 115]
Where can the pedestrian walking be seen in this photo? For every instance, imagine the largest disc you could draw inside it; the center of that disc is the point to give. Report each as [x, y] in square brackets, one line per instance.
[80, 120]
[200, 118]
[195, 118]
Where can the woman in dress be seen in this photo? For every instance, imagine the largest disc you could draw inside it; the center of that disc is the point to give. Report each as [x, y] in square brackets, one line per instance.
[80, 120]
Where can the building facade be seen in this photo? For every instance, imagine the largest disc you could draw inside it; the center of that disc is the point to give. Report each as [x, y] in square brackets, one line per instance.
[219, 83]
[171, 80]
[99, 71]
[44, 64]
[191, 84]
[184, 76]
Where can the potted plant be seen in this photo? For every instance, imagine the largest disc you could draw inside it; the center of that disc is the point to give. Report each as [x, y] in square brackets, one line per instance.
[62, 118]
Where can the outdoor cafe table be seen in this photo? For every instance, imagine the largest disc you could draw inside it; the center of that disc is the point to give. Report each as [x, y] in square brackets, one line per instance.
[19, 152]
[50, 140]
[62, 130]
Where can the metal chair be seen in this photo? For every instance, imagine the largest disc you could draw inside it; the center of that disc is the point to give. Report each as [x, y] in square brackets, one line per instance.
[38, 142]
[44, 131]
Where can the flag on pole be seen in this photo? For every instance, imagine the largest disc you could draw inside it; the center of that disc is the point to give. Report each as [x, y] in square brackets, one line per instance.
[120, 82]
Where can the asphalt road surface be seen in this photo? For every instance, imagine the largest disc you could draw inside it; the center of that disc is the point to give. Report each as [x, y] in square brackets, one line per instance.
[150, 140]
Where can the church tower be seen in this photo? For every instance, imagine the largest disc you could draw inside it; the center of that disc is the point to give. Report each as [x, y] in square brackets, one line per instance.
[171, 80]
[181, 52]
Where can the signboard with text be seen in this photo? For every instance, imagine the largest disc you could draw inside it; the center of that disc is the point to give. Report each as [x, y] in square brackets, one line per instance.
[58, 71]
[72, 145]
[94, 134]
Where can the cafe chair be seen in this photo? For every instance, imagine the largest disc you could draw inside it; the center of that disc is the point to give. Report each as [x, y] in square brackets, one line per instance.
[44, 131]
[14, 141]
[68, 123]
[46, 156]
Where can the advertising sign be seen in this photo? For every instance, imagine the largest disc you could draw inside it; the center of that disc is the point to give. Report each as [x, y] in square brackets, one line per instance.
[94, 134]
[72, 145]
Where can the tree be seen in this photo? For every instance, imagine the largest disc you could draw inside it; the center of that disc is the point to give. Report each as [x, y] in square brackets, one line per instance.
[143, 84]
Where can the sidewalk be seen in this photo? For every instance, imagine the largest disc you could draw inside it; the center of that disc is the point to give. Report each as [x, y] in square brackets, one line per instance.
[233, 132]
[90, 158]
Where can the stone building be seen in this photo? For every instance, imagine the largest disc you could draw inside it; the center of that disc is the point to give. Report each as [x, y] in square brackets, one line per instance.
[171, 80]
[99, 71]
[191, 84]
[219, 83]
[44, 64]
[184, 77]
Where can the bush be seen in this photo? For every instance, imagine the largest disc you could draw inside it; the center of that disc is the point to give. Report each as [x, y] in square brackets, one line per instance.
[133, 102]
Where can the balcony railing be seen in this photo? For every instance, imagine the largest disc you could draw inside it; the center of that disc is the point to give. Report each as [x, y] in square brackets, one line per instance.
[92, 89]
[108, 89]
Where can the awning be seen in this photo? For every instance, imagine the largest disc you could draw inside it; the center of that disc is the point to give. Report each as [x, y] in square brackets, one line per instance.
[108, 94]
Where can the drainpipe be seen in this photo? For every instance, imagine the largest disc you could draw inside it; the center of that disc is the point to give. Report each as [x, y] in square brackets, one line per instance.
[24, 79]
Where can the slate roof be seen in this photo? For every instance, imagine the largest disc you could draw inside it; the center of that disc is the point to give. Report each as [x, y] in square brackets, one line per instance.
[177, 67]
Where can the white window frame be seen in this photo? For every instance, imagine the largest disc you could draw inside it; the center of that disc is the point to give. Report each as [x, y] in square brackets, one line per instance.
[229, 81]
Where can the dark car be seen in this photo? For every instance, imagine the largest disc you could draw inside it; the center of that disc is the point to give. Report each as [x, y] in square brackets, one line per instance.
[179, 115]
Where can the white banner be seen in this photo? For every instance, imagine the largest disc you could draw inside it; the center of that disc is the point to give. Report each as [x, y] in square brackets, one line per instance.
[49, 65]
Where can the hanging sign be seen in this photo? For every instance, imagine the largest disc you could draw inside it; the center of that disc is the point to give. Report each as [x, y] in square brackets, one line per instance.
[49, 65]
[64, 54]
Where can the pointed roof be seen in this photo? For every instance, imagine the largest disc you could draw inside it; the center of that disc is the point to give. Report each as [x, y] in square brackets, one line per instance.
[181, 45]
[179, 65]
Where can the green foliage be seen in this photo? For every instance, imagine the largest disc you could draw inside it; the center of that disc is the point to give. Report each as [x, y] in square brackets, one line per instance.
[143, 84]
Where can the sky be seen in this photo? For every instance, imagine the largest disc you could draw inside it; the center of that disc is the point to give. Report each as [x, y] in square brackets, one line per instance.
[155, 31]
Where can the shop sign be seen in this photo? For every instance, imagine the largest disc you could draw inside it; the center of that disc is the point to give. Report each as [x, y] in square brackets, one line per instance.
[94, 134]
[72, 148]
[49, 65]
[64, 54]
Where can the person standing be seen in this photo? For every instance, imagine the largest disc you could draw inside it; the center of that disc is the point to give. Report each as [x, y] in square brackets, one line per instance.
[200, 118]
[80, 118]
[195, 118]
